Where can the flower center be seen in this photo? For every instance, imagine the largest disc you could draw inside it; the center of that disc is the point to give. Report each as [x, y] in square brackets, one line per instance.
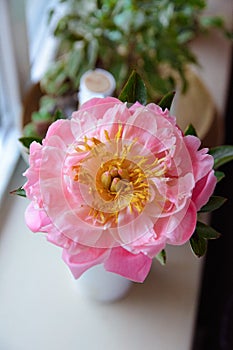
[123, 181]
[116, 176]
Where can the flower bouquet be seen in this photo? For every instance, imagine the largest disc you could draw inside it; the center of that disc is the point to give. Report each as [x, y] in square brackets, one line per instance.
[119, 181]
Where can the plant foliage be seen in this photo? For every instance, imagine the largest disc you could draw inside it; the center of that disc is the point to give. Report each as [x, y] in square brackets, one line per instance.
[121, 35]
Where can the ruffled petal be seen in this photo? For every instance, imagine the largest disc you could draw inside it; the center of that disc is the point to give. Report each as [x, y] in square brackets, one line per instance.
[103, 102]
[32, 187]
[185, 227]
[84, 260]
[36, 218]
[96, 107]
[132, 226]
[132, 266]
[201, 161]
[203, 190]
[62, 129]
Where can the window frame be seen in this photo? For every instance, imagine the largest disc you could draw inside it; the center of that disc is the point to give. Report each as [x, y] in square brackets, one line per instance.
[10, 107]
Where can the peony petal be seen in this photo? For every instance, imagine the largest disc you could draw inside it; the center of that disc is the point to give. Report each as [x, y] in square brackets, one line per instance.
[203, 190]
[185, 227]
[149, 244]
[103, 102]
[132, 226]
[32, 173]
[142, 125]
[36, 219]
[201, 161]
[84, 260]
[132, 266]
[114, 117]
[83, 123]
[62, 129]
[94, 109]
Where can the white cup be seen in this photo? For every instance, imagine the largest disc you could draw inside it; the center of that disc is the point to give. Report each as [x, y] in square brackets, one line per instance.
[96, 83]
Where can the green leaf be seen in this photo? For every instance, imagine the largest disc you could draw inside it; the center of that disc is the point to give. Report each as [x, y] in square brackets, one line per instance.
[26, 141]
[134, 90]
[166, 100]
[214, 203]
[19, 192]
[41, 116]
[199, 239]
[162, 257]
[99, 4]
[206, 232]
[47, 103]
[219, 175]
[59, 115]
[190, 130]
[215, 22]
[222, 155]
[29, 130]
[198, 245]
[50, 15]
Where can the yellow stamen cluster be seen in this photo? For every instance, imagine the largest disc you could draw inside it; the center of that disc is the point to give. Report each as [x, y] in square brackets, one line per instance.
[120, 182]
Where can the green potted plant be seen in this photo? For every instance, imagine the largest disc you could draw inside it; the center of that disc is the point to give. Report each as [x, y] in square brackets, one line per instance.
[150, 37]
[119, 36]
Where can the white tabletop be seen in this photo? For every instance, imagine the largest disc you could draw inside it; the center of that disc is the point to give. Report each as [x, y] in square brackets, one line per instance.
[40, 308]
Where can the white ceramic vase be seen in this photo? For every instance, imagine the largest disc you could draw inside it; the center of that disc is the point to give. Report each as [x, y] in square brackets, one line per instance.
[101, 285]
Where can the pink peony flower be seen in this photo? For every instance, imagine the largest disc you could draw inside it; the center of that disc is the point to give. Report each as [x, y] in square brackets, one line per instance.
[115, 185]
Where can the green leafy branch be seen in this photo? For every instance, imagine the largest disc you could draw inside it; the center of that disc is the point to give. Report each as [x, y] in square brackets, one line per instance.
[123, 35]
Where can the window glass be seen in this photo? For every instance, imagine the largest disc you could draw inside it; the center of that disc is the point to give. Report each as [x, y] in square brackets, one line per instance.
[9, 148]
[9, 100]
[26, 47]
[42, 44]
